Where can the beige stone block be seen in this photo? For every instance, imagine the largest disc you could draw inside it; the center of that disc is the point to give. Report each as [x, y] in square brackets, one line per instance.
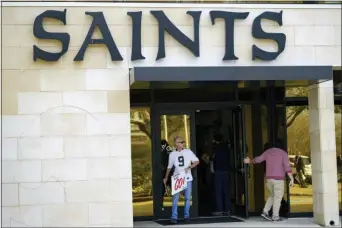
[65, 169]
[120, 64]
[37, 103]
[326, 208]
[328, 55]
[62, 80]
[328, 17]
[66, 215]
[118, 101]
[296, 56]
[38, 194]
[99, 191]
[120, 146]
[53, 124]
[10, 195]
[299, 16]
[93, 59]
[87, 146]
[20, 216]
[20, 126]
[110, 124]
[40, 148]
[113, 16]
[107, 79]
[9, 103]
[9, 149]
[25, 15]
[107, 168]
[90, 101]
[21, 171]
[314, 35]
[18, 35]
[337, 36]
[114, 214]
[17, 58]
[21, 81]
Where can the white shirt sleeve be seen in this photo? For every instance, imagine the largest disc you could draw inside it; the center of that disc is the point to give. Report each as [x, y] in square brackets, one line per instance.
[193, 156]
[170, 165]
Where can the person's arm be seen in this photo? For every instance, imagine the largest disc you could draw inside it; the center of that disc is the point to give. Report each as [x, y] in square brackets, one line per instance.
[194, 160]
[287, 167]
[258, 159]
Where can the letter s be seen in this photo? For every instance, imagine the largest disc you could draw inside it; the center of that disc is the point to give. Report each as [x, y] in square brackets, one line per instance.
[40, 33]
[259, 33]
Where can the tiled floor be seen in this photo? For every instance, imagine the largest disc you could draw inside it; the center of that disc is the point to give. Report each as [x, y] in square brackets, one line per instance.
[251, 222]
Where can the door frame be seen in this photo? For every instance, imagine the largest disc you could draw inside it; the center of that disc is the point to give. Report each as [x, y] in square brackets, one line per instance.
[188, 108]
[157, 176]
[240, 125]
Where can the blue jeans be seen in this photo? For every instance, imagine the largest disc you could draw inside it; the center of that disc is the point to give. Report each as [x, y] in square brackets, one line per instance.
[187, 197]
[222, 190]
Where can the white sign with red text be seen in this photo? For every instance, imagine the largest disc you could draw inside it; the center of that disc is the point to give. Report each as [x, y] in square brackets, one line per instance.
[178, 182]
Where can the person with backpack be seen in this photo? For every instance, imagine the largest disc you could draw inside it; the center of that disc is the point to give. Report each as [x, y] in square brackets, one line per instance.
[277, 166]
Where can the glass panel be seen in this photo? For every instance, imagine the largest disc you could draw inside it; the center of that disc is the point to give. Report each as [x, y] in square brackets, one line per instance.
[298, 91]
[141, 162]
[338, 117]
[172, 126]
[298, 143]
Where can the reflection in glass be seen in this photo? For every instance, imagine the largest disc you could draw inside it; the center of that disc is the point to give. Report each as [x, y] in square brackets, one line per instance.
[141, 162]
[172, 126]
[298, 143]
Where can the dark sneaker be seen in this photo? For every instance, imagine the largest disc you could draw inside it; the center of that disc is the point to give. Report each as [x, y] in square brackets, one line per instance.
[217, 213]
[173, 221]
[266, 216]
[186, 220]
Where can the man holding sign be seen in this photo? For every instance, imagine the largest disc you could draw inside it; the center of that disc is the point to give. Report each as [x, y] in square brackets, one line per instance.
[183, 160]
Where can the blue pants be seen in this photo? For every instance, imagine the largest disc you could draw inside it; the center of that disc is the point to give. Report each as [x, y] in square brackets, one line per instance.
[187, 196]
[222, 190]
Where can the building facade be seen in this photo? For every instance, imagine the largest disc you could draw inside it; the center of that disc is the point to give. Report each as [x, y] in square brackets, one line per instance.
[74, 81]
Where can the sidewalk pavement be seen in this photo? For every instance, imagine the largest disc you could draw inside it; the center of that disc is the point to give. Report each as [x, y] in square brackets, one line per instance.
[251, 222]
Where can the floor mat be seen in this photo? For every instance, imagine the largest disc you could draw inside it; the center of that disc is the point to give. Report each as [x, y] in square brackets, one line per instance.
[205, 220]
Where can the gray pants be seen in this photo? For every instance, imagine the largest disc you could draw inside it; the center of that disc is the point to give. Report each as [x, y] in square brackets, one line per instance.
[276, 190]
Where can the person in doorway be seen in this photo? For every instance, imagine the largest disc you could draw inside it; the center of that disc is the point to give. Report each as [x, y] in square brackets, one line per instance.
[182, 160]
[300, 168]
[277, 165]
[221, 175]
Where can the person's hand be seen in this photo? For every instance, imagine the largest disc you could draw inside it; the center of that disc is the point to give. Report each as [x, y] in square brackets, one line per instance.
[187, 169]
[291, 184]
[247, 160]
[164, 180]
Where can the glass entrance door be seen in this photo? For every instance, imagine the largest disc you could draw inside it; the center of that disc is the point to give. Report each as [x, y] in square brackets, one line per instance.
[241, 171]
[168, 125]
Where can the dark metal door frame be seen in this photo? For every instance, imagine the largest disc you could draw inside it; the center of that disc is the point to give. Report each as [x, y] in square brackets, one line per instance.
[159, 109]
[241, 169]
[159, 211]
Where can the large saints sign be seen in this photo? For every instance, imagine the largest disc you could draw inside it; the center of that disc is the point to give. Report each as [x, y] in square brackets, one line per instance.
[164, 24]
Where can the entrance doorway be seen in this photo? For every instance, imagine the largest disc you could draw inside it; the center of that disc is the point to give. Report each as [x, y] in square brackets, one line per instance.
[197, 124]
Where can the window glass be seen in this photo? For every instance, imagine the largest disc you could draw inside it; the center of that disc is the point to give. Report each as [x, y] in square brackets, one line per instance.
[298, 144]
[141, 162]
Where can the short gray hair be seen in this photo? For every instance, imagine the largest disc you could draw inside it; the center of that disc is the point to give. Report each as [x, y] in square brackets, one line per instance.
[176, 137]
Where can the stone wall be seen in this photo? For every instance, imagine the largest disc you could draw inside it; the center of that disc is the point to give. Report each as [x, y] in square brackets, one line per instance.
[66, 128]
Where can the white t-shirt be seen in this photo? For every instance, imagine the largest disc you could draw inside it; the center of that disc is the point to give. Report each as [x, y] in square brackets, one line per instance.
[182, 160]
